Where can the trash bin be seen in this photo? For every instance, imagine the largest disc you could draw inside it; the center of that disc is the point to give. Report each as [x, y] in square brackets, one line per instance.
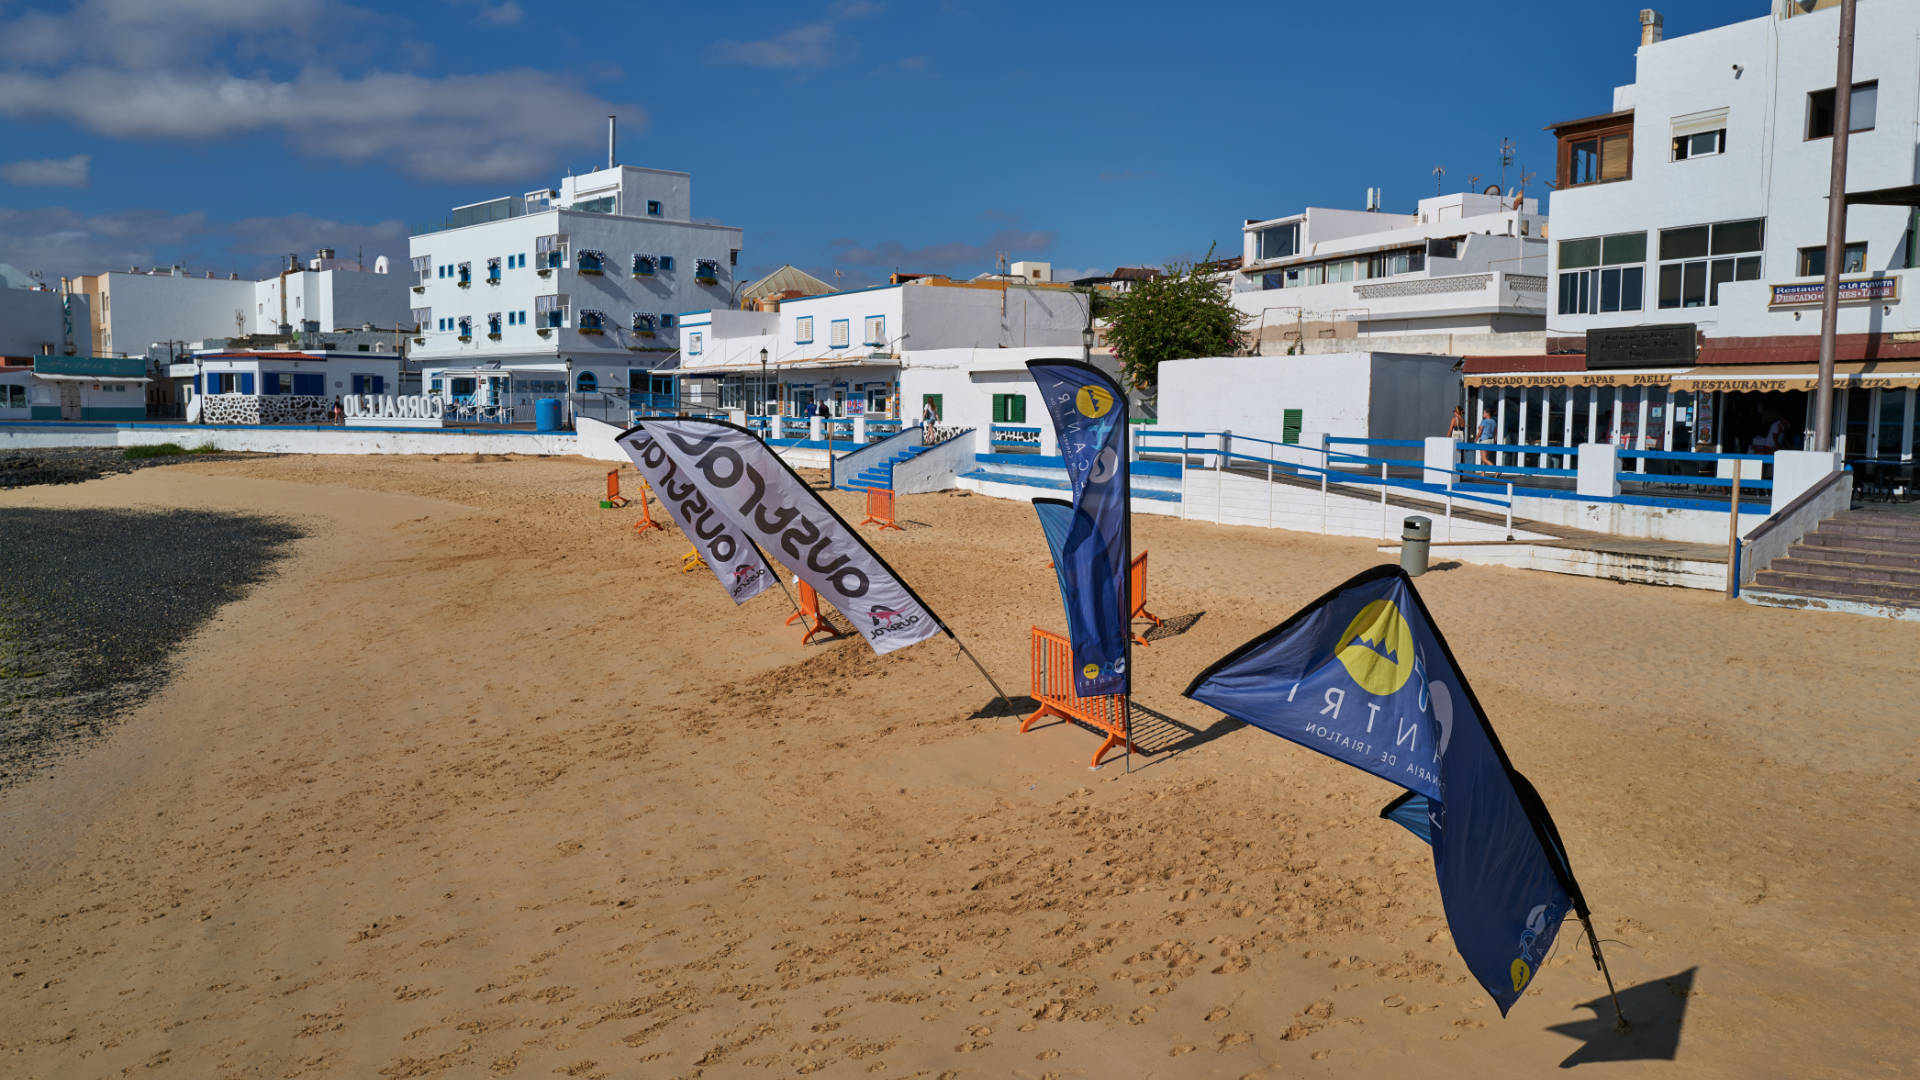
[546, 414]
[1416, 536]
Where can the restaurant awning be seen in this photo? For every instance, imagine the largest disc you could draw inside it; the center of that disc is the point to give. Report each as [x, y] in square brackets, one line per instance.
[1603, 377]
[1781, 378]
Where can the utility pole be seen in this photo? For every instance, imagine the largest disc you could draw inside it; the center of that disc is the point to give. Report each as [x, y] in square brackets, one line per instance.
[1836, 233]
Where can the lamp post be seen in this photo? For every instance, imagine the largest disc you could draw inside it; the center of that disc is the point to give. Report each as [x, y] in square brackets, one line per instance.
[763, 393]
[1836, 233]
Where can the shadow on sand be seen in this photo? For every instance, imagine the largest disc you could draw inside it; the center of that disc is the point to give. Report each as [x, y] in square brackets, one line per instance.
[1655, 1011]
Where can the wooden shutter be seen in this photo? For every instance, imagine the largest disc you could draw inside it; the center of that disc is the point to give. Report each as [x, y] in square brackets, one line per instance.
[1290, 420]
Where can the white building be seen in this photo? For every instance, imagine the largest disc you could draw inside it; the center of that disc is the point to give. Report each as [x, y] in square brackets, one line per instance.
[278, 387]
[133, 311]
[1462, 273]
[1689, 232]
[38, 320]
[588, 280]
[848, 349]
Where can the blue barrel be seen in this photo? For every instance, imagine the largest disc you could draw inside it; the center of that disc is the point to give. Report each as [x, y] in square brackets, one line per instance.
[546, 414]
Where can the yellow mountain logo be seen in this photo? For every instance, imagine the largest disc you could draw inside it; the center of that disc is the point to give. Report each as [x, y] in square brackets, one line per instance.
[1093, 401]
[1377, 649]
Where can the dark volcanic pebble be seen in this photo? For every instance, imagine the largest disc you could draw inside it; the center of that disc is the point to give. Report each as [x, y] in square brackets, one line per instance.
[74, 464]
[93, 603]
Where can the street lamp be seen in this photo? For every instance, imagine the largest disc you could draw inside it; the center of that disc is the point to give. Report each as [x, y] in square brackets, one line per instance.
[1086, 342]
[763, 392]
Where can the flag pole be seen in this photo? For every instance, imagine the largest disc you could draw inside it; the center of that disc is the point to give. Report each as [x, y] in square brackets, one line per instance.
[1011, 711]
[1126, 562]
[1600, 961]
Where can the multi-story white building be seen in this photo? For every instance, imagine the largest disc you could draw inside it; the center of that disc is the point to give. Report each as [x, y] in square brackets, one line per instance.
[587, 281]
[133, 311]
[1689, 243]
[848, 349]
[1462, 273]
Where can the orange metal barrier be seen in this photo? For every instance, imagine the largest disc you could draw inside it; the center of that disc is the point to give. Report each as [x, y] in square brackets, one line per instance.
[810, 617]
[646, 524]
[614, 499]
[880, 508]
[1137, 584]
[1053, 689]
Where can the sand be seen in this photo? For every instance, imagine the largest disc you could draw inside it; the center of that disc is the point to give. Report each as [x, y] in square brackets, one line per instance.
[478, 784]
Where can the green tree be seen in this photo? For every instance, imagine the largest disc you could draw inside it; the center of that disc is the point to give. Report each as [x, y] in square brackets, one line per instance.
[1183, 313]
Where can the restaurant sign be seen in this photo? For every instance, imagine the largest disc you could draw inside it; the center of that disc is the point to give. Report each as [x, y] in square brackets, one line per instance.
[1574, 378]
[1859, 290]
[1641, 346]
[388, 410]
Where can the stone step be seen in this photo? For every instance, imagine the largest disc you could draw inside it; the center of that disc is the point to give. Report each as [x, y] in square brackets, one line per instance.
[1861, 556]
[1880, 592]
[1859, 573]
[1826, 536]
[1879, 526]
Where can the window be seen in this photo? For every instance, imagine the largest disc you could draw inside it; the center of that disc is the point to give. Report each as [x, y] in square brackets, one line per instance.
[1596, 151]
[13, 396]
[466, 326]
[592, 320]
[1444, 247]
[590, 261]
[1813, 260]
[1009, 408]
[1603, 273]
[1695, 261]
[803, 330]
[552, 310]
[602, 205]
[837, 334]
[696, 343]
[653, 207]
[643, 323]
[707, 269]
[493, 324]
[1860, 111]
[1280, 241]
[876, 330]
[493, 270]
[1700, 144]
[421, 317]
[733, 257]
[643, 266]
[668, 322]
[466, 273]
[1290, 423]
[587, 383]
[666, 262]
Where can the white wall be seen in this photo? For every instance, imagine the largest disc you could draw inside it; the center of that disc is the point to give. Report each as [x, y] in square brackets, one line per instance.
[1248, 394]
[30, 318]
[968, 379]
[142, 309]
[1769, 169]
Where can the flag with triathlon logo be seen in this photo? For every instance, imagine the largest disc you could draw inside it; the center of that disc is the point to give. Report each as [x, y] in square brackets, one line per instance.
[736, 563]
[1089, 413]
[1363, 675]
[748, 486]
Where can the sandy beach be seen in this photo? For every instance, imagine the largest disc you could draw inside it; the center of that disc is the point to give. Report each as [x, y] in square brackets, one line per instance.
[477, 783]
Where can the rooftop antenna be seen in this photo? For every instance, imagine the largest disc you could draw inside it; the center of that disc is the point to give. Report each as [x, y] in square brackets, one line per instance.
[610, 123]
[1439, 174]
[1506, 159]
[1473, 181]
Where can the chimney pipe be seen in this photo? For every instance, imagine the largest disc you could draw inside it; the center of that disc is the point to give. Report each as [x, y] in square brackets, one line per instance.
[609, 140]
[1652, 26]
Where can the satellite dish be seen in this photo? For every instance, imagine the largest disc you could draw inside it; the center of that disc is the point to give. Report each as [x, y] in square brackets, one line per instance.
[1491, 189]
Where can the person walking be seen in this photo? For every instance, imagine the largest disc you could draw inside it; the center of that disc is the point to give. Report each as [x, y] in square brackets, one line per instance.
[1489, 431]
[927, 414]
[1457, 427]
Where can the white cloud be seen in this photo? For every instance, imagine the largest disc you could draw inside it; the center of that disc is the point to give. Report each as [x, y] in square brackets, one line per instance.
[812, 45]
[58, 241]
[57, 172]
[953, 257]
[119, 68]
[502, 14]
[502, 126]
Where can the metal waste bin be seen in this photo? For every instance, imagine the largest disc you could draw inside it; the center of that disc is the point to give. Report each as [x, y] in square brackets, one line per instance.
[1416, 536]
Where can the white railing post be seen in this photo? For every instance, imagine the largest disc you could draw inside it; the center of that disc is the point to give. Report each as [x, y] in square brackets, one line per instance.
[1383, 500]
[1220, 483]
[1183, 488]
[1269, 494]
[1449, 517]
[1323, 502]
[1183, 450]
[1509, 509]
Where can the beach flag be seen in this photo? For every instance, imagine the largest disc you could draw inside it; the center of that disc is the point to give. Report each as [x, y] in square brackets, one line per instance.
[1089, 413]
[736, 563]
[1363, 675]
[732, 472]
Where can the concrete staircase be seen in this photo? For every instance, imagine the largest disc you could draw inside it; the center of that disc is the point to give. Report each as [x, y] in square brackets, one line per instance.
[881, 475]
[1865, 561]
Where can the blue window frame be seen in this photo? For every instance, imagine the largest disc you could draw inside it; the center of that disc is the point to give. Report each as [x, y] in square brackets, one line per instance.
[666, 262]
[653, 207]
[587, 382]
[669, 321]
[876, 330]
[803, 330]
[840, 338]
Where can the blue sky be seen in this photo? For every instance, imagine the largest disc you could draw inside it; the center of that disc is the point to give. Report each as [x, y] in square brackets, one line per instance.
[855, 135]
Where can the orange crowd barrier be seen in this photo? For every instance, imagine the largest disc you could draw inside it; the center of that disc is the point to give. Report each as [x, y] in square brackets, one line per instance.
[614, 499]
[809, 616]
[880, 508]
[1137, 584]
[1053, 689]
[646, 524]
